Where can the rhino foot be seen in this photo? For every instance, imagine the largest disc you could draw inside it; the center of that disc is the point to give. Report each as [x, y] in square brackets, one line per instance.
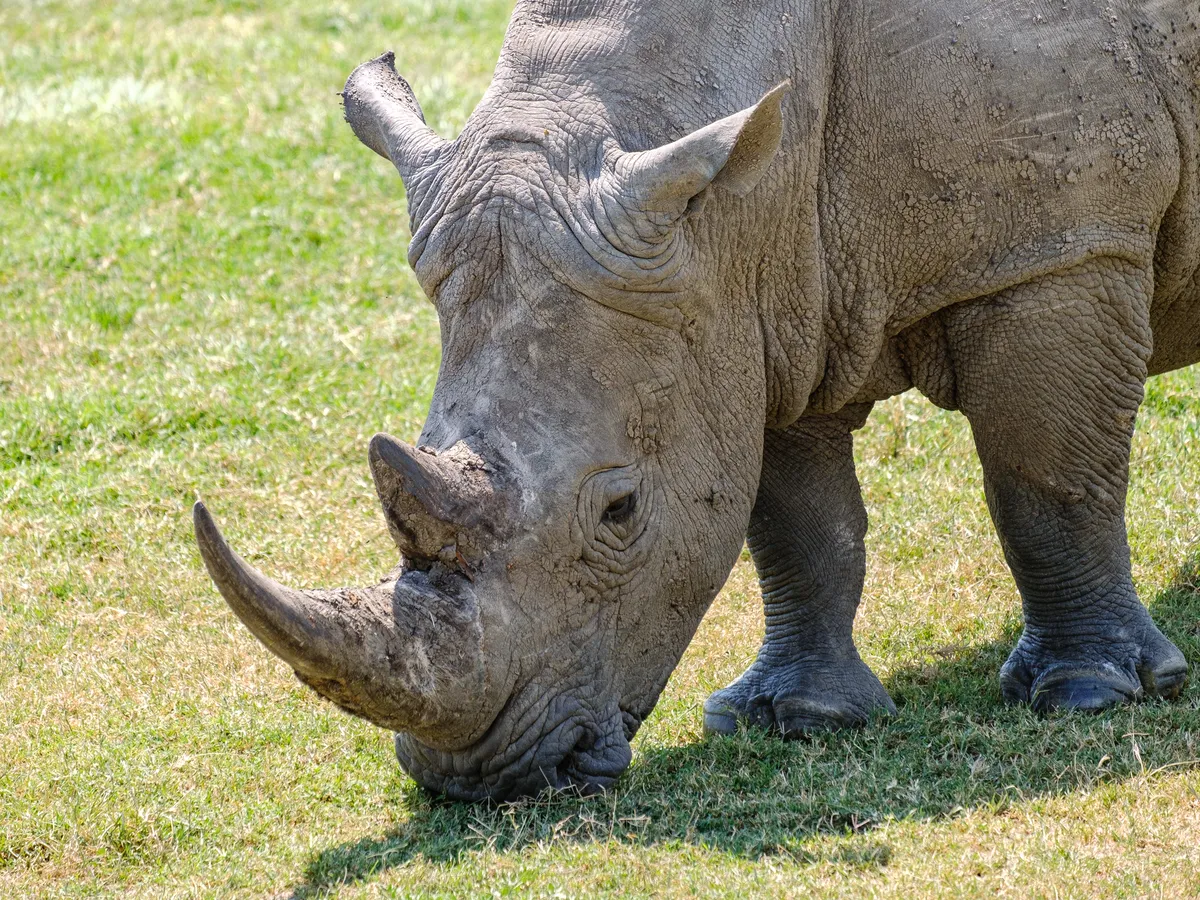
[1093, 677]
[798, 698]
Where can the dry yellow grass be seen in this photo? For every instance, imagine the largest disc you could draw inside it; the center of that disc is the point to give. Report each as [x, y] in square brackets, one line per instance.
[203, 290]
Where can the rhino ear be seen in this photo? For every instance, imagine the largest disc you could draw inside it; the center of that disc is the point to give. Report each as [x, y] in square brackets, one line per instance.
[732, 153]
[385, 115]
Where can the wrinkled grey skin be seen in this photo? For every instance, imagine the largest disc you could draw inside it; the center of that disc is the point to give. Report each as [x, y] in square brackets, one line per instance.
[660, 332]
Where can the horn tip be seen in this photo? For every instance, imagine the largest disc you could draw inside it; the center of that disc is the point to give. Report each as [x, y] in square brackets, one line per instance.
[202, 521]
[208, 536]
[387, 450]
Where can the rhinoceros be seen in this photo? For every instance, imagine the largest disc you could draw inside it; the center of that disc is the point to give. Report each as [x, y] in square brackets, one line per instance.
[677, 252]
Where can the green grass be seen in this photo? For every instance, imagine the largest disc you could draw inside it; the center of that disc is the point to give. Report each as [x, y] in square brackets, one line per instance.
[203, 292]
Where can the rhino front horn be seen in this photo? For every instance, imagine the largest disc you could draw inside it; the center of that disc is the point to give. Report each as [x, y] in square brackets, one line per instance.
[401, 654]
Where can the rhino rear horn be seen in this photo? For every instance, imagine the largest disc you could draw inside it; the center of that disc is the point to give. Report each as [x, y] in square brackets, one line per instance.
[401, 654]
[438, 506]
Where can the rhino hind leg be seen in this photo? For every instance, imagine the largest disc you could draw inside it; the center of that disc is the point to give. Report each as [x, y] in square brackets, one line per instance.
[1050, 375]
[806, 536]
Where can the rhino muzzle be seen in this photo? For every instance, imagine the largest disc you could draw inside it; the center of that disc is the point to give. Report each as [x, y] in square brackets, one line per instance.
[424, 655]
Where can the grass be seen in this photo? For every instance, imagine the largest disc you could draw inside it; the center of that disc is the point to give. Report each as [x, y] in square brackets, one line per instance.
[203, 291]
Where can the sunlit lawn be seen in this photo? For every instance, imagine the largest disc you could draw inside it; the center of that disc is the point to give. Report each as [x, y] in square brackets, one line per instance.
[203, 293]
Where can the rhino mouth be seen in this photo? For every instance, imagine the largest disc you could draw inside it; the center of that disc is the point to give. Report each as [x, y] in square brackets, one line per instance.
[563, 747]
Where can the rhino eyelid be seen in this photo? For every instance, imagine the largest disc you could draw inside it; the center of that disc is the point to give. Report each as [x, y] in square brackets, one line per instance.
[525, 143]
[621, 508]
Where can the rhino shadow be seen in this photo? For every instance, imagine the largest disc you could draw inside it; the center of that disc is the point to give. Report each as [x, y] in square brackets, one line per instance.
[953, 747]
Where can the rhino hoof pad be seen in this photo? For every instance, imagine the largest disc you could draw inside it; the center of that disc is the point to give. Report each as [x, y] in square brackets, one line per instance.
[1093, 682]
[794, 701]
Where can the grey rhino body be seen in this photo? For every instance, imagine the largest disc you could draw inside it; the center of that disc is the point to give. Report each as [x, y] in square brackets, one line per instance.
[671, 285]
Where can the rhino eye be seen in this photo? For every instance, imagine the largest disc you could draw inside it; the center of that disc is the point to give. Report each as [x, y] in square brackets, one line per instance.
[620, 509]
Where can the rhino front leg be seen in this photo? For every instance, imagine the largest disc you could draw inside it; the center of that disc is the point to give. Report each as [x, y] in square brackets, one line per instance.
[806, 537]
[1050, 375]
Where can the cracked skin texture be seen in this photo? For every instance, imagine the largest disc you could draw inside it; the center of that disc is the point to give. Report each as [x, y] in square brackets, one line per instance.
[669, 295]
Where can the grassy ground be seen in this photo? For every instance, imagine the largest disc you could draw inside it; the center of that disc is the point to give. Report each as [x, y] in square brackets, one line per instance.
[203, 291]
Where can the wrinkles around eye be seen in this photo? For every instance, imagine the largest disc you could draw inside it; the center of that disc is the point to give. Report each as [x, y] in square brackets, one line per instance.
[615, 487]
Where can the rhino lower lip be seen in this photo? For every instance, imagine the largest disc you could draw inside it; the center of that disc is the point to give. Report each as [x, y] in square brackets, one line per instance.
[589, 770]
[577, 754]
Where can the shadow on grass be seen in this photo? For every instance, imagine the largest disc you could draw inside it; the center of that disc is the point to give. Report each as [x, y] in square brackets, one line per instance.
[953, 747]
